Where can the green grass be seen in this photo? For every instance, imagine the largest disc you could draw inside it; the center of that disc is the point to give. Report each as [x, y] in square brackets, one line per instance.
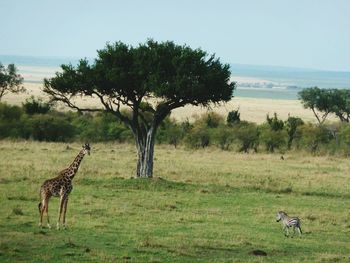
[202, 206]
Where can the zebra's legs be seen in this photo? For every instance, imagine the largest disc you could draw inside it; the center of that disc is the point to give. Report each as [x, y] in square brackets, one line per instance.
[299, 231]
[286, 231]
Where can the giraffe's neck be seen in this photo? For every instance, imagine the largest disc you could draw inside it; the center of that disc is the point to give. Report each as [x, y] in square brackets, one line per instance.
[76, 163]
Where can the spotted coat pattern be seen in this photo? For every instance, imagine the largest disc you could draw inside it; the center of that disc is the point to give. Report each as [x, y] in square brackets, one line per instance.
[60, 186]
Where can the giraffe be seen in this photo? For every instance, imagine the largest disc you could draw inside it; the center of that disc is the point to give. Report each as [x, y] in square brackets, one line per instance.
[60, 186]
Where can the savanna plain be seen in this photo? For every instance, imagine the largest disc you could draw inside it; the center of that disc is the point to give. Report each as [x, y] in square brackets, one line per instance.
[201, 206]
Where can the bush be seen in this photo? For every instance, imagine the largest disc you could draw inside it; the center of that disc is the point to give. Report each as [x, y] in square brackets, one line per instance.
[198, 136]
[36, 106]
[274, 123]
[223, 136]
[170, 132]
[210, 120]
[10, 113]
[292, 124]
[49, 128]
[273, 139]
[233, 117]
[10, 121]
[247, 135]
[100, 127]
[313, 136]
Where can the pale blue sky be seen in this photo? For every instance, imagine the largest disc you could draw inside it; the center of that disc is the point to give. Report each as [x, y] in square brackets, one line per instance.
[295, 33]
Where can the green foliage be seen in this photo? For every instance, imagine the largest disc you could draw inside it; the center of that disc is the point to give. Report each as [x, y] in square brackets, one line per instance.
[223, 136]
[274, 123]
[340, 103]
[36, 106]
[171, 132]
[176, 75]
[101, 127]
[325, 101]
[213, 120]
[10, 117]
[9, 112]
[198, 137]
[312, 137]
[210, 120]
[233, 117]
[172, 75]
[10, 81]
[247, 135]
[273, 139]
[49, 128]
[291, 125]
[272, 133]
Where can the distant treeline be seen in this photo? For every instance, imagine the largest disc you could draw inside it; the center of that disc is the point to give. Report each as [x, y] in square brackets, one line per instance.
[36, 120]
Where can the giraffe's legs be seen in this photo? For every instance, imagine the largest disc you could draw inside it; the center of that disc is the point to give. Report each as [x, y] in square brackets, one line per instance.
[47, 212]
[64, 212]
[60, 211]
[44, 209]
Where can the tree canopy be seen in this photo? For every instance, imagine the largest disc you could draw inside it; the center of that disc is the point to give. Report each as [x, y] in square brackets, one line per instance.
[10, 81]
[322, 102]
[150, 80]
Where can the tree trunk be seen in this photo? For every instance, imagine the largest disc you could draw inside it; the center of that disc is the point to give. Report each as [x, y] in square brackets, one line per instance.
[145, 150]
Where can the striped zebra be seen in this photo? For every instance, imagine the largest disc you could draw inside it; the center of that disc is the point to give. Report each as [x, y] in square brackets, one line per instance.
[288, 222]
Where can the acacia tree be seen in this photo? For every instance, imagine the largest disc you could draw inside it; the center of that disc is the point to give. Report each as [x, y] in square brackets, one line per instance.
[341, 104]
[318, 100]
[325, 101]
[10, 81]
[150, 80]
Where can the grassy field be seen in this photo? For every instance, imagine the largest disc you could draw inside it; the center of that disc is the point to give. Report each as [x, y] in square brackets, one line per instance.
[202, 206]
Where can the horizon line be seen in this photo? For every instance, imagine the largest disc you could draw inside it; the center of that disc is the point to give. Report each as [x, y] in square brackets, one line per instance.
[230, 63]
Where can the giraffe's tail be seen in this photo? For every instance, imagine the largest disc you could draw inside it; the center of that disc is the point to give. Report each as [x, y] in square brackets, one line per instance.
[39, 206]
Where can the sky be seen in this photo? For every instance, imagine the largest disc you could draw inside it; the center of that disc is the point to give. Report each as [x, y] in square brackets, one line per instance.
[294, 33]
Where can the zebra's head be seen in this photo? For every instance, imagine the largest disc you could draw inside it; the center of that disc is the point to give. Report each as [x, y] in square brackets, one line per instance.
[280, 215]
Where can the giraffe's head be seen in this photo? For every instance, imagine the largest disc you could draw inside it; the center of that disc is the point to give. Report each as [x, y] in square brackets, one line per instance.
[86, 148]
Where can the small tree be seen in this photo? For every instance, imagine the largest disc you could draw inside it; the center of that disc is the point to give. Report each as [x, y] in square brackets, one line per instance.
[170, 132]
[275, 123]
[313, 136]
[272, 133]
[247, 134]
[233, 117]
[320, 101]
[36, 106]
[10, 81]
[340, 103]
[198, 136]
[150, 80]
[291, 124]
[224, 136]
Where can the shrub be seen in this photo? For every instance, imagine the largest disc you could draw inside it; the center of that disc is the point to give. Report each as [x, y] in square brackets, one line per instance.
[233, 117]
[247, 135]
[10, 121]
[198, 137]
[9, 112]
[170, 132]
[36, 106]
[313, 136]
[292, 124]
[273, 139]
[49, 128]
[223, 136]
[274, 123]
[210, 120]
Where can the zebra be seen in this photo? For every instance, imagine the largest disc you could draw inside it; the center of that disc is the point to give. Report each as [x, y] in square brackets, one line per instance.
[289, 222]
